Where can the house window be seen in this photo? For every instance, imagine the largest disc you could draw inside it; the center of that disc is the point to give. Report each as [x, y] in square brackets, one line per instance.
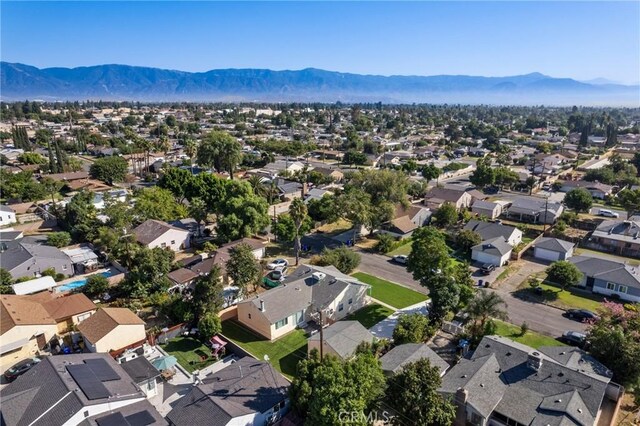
[282, 323]
[476, 419]
[173, 242]
[611, 286]
[350, 300]
[64, 267]
[622, 288]
[341, 307]
[163, 245]
[151, 385]
[84, 316]
[249, 316]
[86, 413]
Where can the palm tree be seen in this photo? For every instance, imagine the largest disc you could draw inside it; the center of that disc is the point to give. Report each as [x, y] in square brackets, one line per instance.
[483, 307]
[190, 148]
[258, 187]
[298, 212]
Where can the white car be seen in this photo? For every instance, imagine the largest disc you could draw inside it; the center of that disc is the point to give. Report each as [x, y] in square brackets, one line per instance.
[278, 264]
[401, 259]
[608, 213]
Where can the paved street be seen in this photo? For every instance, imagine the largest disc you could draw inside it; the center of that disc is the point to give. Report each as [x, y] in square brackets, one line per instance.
[383, 267]
[621, 213]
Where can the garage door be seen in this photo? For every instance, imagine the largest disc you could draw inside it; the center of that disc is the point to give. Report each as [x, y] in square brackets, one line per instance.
[545, 254]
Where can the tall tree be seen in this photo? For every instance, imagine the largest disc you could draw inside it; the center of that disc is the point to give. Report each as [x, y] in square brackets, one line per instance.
[220, 150]
[484, 174]
[484, 306]
[298, 212]
[109, 169]
[242, 267]
[413, 394]
[208, 293]
[579, 199]
[157, 203]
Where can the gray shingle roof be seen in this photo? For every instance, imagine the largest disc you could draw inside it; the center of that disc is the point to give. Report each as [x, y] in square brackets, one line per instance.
[17, 252]
[524, 394]
[554, 244]
[497, 247]
[490, 230]
[140, 369]
[245, 387]
[619, 230]
[609, 270]
[394, 360]
[344, 337]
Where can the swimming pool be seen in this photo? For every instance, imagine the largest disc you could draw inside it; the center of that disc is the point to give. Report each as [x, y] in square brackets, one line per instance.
[81, 282]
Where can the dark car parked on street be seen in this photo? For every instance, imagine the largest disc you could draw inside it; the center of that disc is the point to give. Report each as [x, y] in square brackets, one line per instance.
[582, 315]
[574, 338]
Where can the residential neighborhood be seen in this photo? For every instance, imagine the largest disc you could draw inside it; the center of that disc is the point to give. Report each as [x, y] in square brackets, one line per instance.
[263, 264]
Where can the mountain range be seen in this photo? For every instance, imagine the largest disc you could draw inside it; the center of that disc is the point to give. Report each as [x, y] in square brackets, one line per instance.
[124, 82]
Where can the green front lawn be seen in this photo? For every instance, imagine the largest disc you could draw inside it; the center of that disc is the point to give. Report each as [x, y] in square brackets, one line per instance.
[565, 299]
[189, 353]
[403, 249]
[284, 353]
[392, 294]
[531, 338]
[370, 315]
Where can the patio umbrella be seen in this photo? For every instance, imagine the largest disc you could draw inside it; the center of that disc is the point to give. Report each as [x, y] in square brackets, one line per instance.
[165, 362]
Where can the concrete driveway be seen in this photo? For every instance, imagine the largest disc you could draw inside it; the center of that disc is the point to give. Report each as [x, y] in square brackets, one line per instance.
[384, 329]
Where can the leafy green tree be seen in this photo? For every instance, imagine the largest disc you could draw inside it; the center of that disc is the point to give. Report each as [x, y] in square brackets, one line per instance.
[51, 187]
[413, 394]
[208, 293]
[413, 328]
[484, 174]
[614, 342]
[446, 215]
[482, 308]
[79, 217]
[431, 172]
[386, 243]
[467, 239]
[564, 273]
[383, 186]
[109, 169]
[285, 228]
[298, 213]
[209, 325]
[242, 266]
[178, 181]
[429, 254]
[96, 285]
[32, 158]
[198, 210]
[220, 150]
[342, 258]
[21, 186]
[157, 203]
[323, 209]
[630, 200]
[579, 199]
[530, 183]
[147, 272]
[59, 239]
[242, 216]
[323, 389]
[354, 158]
[355, 206]
[5, 282]
[505, 177]
[445, 295]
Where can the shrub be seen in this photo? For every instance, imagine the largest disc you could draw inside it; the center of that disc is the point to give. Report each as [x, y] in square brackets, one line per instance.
[59, 239]
[342, 258]
[524, 327]
[564, 273]
[413, 328]
[386, 243]
[96, 285]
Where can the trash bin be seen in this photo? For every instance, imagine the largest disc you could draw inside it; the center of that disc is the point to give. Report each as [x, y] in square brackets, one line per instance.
[479, 283]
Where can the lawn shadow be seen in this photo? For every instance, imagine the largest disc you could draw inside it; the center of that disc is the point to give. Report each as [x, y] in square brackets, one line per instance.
[370, 315]
[538, 296]
[289, 363]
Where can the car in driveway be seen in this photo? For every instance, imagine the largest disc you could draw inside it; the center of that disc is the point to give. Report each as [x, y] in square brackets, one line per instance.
[20, 368]
[401, 259]
[487, 268]
[582, 315]
[574, 338]
[278, 264]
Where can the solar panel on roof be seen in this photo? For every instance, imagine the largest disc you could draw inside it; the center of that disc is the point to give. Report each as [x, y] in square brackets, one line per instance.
[115, 419]
[142, 418]
[90, 385]
[102, 369]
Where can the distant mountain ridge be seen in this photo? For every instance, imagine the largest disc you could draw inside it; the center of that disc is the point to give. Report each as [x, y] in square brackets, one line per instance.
[124, 82]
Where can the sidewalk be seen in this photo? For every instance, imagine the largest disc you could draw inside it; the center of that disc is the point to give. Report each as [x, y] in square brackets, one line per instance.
[384, 329]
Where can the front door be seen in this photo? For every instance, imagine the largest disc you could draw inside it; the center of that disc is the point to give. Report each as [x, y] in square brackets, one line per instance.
[590, 281]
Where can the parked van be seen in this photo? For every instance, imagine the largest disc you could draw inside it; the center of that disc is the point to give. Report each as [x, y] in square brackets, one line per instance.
[608, 213]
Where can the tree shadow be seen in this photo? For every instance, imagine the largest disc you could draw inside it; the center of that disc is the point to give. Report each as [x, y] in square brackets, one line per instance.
[538, 295]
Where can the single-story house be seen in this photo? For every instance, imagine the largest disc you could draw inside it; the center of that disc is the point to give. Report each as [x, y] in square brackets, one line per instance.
[534, 210]
[246, 392]
[487, 209]
[221, 256]
[496, 251]
[335, 174]
[7, 215]
[507, 383]
[35, 285]
[438, 196]
[596, 189]
[491, 230]
[394, 361]
[155, 233]
[303, 294]
[112, 329]
[553, 249]
[609, 277]
[25, 259]
[288, 188]
[618, 236]
[340, 339]
[406, 220]
[67, 311]
[181, 279]
[83, 257]
[76, 389]
[143, 374]
[316, 194]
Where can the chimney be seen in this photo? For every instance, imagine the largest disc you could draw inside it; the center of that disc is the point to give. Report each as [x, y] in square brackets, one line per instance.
[262, 306]
[460, 400]
[534, 361]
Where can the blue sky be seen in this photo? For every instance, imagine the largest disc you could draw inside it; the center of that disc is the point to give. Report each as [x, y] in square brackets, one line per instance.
[562, 39]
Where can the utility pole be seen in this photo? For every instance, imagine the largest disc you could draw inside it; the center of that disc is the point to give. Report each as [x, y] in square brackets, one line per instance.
[321, 336]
